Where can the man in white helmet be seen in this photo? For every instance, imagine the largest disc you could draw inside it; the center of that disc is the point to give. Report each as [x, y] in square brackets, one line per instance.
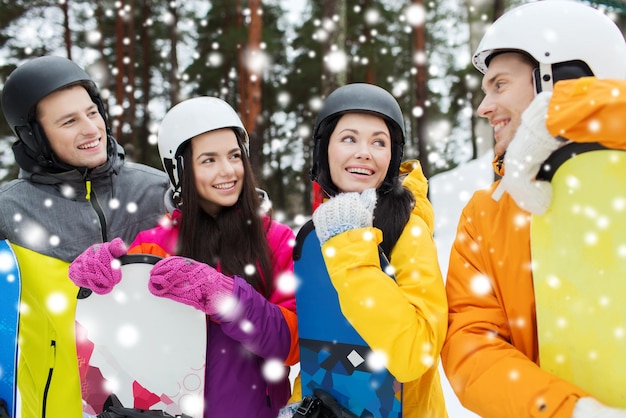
[491, 354]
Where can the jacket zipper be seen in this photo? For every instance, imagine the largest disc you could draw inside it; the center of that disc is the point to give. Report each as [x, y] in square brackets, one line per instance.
[98, 209]
[53, 346]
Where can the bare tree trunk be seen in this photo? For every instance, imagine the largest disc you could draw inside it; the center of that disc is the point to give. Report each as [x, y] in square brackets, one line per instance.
[242, 81]
[252, 85]
[67, 33]
[370, 70]
[130, 114]
[146, 47]
[173, 33]
[105, 81]
[120, 34]
[421, 90]
[335, 43]
[498, 9]
[241, 60]
[252, 73]
[100, 18]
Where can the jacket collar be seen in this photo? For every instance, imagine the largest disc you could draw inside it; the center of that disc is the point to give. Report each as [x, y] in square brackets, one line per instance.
[37, 174]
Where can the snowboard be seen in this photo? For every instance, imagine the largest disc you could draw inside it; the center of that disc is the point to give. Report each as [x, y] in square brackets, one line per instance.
[333, 356]
[9, 320]
[148, 351]
[578, 252]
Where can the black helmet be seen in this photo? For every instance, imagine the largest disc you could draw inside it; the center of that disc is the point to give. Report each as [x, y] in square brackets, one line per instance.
[31, 82]
[358, 97]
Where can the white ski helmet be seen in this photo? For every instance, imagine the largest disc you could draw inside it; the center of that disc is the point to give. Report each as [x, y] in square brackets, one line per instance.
[188, 119]
[559, 35]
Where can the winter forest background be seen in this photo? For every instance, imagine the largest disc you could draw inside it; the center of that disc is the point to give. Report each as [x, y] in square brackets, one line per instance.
[275, 61]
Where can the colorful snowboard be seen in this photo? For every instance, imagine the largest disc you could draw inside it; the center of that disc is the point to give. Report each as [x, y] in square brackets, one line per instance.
[148, 351]
[9, 320]
[333, 356]
[579, 268]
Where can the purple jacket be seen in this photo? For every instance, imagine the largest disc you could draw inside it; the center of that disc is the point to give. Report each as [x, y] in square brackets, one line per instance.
[238, 347]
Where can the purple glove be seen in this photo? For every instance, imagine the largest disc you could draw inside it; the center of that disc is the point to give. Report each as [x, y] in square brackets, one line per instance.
[97, 268]
[190, 282]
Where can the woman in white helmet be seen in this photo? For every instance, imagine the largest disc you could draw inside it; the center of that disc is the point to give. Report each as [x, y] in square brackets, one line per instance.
[491, 354]
[218, 247]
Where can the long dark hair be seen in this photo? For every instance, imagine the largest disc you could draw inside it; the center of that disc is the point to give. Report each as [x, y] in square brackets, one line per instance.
[393, 207]
[235, 238]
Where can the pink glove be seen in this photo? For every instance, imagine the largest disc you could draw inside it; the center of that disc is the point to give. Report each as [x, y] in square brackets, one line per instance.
[97, 268]
[192, 283]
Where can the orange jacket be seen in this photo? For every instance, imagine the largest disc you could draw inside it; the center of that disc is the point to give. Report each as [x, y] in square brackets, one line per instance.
[490, 355]
[589, 110]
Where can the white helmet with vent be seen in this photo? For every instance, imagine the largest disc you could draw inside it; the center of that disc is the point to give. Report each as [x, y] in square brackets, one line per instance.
[188, 119]
[568, 39]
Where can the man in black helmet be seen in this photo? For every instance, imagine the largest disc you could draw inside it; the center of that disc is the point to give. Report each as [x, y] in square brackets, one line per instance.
[74, 189]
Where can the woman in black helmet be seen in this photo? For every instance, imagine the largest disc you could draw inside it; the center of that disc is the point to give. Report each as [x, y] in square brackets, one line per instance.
[359, 136]
[74, 189]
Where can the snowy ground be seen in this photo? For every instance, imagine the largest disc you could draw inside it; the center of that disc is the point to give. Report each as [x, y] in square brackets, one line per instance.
[449, 192]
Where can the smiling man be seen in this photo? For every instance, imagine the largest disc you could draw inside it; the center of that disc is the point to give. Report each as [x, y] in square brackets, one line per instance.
[491, 355]
[74, 127]
[74, 189]
[508, 88]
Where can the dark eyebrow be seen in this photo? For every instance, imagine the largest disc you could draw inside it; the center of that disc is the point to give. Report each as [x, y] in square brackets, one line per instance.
[491, 80]
[356, 131]
[213, 153]
[71, 114]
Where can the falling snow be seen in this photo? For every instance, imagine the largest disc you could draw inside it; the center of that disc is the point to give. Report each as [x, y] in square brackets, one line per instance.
[273, 370]
[449, 192]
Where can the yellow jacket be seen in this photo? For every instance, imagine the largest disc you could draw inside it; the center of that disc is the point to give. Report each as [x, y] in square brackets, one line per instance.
[491, 355]
[405, 319]
[48, 303]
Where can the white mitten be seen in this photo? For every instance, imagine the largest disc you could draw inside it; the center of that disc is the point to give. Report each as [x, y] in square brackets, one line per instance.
[531, 146]
[590, 408]
[344, 212]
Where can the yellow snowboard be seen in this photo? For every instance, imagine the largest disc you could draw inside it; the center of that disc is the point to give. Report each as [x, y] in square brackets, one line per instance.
[579, 267]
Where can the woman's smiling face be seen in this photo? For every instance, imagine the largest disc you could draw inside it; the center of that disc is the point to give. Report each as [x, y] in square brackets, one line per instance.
[359, 152]
[218, 169]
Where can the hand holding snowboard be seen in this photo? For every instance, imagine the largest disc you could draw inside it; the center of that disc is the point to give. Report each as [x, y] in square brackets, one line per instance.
[344, 212]
[98, 267]
[190, 282]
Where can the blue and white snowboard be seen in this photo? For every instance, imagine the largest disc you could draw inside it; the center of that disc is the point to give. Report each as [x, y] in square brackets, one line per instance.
[333, 356]
[147, 350]
[10, 291]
